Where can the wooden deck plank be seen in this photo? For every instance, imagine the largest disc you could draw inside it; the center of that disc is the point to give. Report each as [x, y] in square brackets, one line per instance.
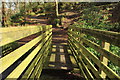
[59, 63]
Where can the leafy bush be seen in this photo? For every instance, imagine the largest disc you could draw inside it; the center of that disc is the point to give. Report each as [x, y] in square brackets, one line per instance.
[49, 7]
[96, 18]
[115, 50]
[17, 18]
[114, 67]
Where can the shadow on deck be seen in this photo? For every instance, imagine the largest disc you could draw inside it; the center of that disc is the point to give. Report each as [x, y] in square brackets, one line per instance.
[59, 58]
[59, 65]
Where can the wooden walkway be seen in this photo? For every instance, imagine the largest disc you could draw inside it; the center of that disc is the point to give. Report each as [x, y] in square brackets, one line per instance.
[59, 58]
[59, 65]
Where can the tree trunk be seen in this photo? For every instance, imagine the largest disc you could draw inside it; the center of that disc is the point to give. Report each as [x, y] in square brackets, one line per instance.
[56, 7]
[24, 13]
[30, 10]
[3, 14]
[17, 6]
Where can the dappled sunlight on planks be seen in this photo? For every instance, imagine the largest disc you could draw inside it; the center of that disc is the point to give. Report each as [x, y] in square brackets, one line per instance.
[61, 50]
[51, 65]
[59, 58]
[52, 58]
[53, 49]
[62, 59]
[64, 68]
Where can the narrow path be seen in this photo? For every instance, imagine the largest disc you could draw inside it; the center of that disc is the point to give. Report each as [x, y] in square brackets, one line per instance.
[59, 65]
[59, 57]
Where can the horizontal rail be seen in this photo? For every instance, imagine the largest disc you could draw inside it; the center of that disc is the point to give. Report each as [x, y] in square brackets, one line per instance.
[112, 57]
[12, 34]
[15, 55]
[31, 66]
[80, 63]
[40, 63]
[89, 64]
[78, 45]
[101, 65]
[108, 36]
[37, 60]
[24, 64]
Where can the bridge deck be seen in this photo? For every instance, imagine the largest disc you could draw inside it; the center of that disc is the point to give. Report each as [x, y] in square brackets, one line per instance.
[59, 65]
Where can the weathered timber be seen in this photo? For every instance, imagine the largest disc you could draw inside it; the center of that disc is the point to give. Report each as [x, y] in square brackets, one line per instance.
[32, 65]
[25, 63]
[100, 64]
[88, 73]
[15, 55]
[112, 57]
[11, 34]
[107, 36]
[40, 62]
[89, 64]
[79, 65]
[105, 60]
[18, 53]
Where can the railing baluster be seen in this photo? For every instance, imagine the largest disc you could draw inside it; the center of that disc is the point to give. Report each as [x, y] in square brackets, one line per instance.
[106, 46]
[31, 65]
[87, 49]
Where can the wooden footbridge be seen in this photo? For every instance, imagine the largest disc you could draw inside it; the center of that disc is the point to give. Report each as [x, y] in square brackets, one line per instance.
[45, 55]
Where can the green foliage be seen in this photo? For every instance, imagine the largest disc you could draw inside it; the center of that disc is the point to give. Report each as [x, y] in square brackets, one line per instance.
[17, 18]
[49, 7]
[67, 6]
[96, 18]
[25, 10]
[93, 39]
[115, 50]
[94, 52]
[114, 67]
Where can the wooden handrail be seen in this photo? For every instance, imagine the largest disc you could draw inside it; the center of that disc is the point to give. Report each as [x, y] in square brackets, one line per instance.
[11, 34]
[31, 65]
[108, 36]
[79, 44]
[114, 58]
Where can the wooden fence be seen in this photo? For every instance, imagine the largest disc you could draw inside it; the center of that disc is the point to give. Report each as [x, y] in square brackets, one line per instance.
[11, 65]
[92, 66]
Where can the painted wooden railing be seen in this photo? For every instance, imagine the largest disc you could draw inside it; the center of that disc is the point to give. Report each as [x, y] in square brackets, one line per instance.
[90, 65]
[26, 61]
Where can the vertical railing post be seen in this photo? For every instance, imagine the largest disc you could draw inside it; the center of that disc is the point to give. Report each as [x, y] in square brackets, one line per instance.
[51, 40]
[81, 50]
[106, 46]
[69, 29]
